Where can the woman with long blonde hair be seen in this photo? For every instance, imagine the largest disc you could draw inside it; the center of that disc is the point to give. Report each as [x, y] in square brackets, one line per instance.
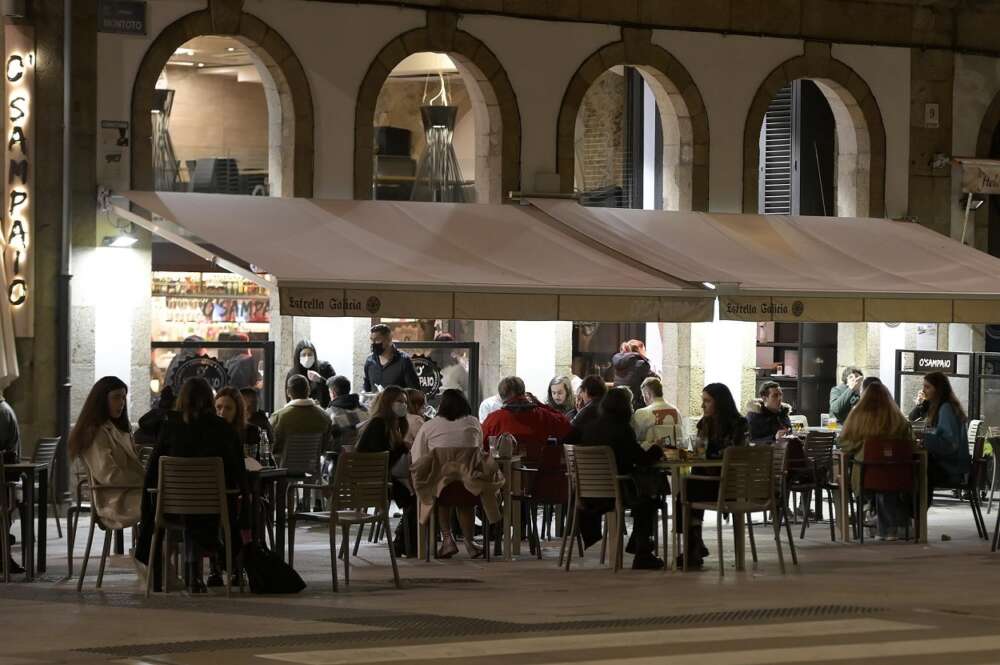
[876, 416]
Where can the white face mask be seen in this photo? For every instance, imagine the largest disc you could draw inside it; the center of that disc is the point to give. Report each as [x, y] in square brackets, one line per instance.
[307, 360]
[400, 409]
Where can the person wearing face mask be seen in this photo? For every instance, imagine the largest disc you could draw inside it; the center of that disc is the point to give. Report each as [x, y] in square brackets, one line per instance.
[386, 432]
[305, 362]
[387, 365]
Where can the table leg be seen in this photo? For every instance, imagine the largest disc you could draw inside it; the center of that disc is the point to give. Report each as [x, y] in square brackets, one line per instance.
[28, 526]
[922, 470]
[507, 540]
[280, 502]
[842, 503]
[675, 499]
[516, 513]
[43, 517]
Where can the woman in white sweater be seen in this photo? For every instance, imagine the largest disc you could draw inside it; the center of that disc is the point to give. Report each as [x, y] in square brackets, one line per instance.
[454, 426]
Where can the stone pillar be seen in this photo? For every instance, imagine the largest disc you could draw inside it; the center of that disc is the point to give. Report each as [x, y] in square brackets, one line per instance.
[564, 348]
[932, 81]
[858, 346]
[497, 353]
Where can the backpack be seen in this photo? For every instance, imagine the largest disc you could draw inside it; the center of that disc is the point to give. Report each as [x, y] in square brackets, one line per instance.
[268, 573]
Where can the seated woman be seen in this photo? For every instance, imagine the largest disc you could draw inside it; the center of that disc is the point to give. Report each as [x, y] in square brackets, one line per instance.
[876, 416]
[613, 428]
[102, 439]
[561, 395]
[453, 427]
[946, 436]
[196, 431]
[386, 431]
[721, 426]
[416, 402]
[231, 407]
[768, 417]
[150, 422]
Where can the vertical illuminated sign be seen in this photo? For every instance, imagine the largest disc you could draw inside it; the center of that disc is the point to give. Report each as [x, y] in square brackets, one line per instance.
[18, 203]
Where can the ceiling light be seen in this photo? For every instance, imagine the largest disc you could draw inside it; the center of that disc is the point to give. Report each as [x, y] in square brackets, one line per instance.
[201, 64]
[181, 63]
[708, 285]
[231, 49]
[184, 51]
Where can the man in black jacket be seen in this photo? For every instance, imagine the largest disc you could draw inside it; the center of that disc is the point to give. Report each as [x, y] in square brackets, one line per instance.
[387, 365]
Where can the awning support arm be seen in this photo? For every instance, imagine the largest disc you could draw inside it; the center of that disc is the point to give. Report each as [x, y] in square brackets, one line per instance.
[169, 231]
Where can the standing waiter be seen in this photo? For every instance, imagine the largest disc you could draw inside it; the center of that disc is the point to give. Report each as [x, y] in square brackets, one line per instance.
[387, 365]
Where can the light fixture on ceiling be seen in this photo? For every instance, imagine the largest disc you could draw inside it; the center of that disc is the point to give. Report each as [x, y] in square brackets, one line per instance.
[200, 65]
[122, 240]
[230, 49]
[184, 51]
[709, 285]
[181, 63]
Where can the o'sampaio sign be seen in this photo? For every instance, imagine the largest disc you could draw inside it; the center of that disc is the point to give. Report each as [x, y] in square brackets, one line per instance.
[18, 204]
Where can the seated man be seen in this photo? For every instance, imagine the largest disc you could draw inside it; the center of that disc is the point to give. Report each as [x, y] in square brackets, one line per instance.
[659, 421]
[300, 416]
[846, 395]
[588, 396]
[346, 413]
[531, 422]
[255, 415]
[768, 416]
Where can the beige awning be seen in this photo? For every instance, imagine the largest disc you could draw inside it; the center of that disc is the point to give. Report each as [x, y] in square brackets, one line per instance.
[979, 176]
[428, 260]
[777, 268]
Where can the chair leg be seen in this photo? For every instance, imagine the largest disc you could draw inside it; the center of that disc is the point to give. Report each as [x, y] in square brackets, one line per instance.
[55, 508]
[72, 521]
[86, 555]
[788, 529]
[562, 547]
[665, 522]
[228, 579]
[4, 546]
[805, 512]
[361, 530]
[151, 565]
[993, 484]
[333, 552]
[534, 528]
[604, 541]
[291, 537]
[392, 551]
[105, 552]
[977, 514]
[718, 534]
[777, 538]
[687, 536]
[574, 532]
[753, 543]
[833, 515]
[346, 537]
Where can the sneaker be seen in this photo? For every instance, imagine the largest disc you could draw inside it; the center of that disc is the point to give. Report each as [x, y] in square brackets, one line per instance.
[647, 562]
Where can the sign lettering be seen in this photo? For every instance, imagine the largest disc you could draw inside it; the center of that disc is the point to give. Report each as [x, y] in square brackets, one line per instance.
[18, 223]
[935, 361]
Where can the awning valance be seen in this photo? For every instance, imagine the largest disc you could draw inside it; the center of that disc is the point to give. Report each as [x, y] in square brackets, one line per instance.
[429, 260]
[778, 268]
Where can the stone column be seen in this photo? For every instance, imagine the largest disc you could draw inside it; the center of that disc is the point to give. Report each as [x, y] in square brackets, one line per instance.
[497, 354]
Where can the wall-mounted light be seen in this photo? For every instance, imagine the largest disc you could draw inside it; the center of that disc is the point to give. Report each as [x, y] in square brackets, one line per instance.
[122, 240]
[977, 201]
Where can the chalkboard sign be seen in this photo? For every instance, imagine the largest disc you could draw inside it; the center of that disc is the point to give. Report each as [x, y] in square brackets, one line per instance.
[429, 375]
[205, 367]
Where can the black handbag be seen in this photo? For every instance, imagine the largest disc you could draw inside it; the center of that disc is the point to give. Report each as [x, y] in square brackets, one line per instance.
[268, 573]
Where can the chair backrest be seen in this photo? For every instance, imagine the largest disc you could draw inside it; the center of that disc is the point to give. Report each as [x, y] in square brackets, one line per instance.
[302, 453]
[361, 481]
[45, 451]
[594, 471]
[974, 431]
[819, 449]
[976, 434]
[747, 481]
[888, 465]
[191, 486]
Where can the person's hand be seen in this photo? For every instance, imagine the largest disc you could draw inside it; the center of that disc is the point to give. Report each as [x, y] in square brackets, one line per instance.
[854, 382]
[780, 434]
[920, 398]
[314, 376]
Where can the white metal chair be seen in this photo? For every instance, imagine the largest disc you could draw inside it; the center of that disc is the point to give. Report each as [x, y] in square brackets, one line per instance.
[189, 486]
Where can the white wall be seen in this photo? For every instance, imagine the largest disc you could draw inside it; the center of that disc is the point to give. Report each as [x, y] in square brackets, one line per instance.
[536, 355]
[728, 70]
[886, 70]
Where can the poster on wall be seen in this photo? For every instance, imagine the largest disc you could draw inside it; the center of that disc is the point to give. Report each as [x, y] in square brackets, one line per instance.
[18, 218]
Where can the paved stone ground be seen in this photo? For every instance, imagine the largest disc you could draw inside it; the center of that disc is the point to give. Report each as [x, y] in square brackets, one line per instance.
[880, 602]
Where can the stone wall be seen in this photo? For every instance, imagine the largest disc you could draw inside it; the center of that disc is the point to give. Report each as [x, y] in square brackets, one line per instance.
[600, 135]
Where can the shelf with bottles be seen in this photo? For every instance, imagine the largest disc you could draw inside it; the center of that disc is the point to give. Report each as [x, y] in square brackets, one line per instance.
[201, 285]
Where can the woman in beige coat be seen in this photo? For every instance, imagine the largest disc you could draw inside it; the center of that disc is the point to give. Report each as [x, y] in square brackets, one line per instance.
[102, 439]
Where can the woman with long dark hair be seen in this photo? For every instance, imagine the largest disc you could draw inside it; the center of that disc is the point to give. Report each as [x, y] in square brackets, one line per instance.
[102, 440]
[721, 426]
[386, 431]
[306, 362]
[560, 395]
[196, 431]
[231, 407]
[946, 437]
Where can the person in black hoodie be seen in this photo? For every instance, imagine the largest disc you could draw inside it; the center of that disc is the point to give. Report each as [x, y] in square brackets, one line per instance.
[768, 416]
[151, 421]
[631, 368]
[588, 398]
[613, 428]
[306, 362]
[196, 431]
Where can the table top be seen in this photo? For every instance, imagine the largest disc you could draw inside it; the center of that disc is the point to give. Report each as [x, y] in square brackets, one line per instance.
[670, 464]
[25, 466]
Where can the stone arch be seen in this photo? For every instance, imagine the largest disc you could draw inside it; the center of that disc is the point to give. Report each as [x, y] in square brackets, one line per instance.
[682, 112]
[860, 131]
[989, 127]
[498, 118]
[289, 95]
